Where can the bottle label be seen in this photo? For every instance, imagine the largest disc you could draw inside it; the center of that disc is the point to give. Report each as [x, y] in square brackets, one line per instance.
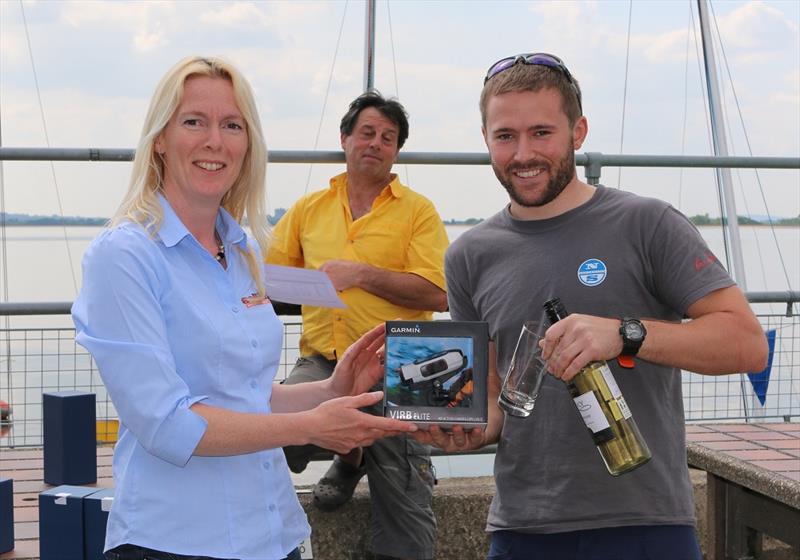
[591, 412]
[615, 392]
[623, 406]
[610, 381]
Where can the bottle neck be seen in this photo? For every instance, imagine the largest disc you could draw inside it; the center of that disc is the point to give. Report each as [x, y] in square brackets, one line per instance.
[555, 310]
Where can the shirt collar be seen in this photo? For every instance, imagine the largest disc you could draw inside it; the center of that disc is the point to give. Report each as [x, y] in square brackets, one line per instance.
[172, 230]
[339, 184]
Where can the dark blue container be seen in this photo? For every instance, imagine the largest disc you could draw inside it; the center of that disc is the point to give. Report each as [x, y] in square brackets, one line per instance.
[95, 516]
[61, 522]
[6, 515]
[70, 444]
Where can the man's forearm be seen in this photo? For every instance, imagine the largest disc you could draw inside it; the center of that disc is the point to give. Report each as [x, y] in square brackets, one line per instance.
[402, 288]
[723, 337]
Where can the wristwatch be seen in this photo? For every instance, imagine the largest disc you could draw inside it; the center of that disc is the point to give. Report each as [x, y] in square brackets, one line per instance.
[633, 333]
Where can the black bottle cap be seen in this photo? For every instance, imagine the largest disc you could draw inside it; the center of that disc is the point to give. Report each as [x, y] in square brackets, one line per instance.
[555, 310]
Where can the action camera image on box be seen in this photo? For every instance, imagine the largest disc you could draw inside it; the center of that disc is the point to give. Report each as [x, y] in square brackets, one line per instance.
[435, 372]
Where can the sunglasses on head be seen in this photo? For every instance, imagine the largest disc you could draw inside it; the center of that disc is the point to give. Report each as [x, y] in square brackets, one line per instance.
[536, 59]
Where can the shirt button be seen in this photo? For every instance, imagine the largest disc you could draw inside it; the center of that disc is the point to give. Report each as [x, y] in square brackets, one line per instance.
[253, 384]
[266, 466]
[254, 343]
[235, 309]
[272, 507]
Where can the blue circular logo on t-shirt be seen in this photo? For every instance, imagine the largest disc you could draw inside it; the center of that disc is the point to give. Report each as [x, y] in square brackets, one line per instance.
[592, 272]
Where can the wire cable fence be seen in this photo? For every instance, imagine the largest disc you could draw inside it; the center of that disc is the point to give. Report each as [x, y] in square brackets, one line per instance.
[41, 360]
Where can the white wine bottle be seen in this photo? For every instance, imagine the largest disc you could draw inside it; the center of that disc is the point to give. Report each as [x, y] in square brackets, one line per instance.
[604, 410]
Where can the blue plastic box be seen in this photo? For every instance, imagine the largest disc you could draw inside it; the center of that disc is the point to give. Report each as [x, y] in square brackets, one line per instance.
[6, 515]
[96, 507]
[61, 522]
[70, 438]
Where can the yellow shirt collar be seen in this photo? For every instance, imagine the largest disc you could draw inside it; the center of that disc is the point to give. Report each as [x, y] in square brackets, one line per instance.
[338, 184]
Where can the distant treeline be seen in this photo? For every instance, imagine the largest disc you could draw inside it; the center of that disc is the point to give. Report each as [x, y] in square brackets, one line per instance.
[706, 220]
[698, 220]
[53, 220]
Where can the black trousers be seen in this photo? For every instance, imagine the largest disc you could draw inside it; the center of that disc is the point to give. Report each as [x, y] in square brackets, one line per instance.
[135, 552]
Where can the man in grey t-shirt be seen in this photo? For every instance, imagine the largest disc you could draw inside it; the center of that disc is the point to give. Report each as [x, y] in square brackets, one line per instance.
[648, 265]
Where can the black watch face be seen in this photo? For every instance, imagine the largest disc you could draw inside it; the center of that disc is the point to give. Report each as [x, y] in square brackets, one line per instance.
[633, 331]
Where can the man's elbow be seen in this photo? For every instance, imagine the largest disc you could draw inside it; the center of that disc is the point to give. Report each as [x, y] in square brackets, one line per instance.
[757, 355]
[440, 302]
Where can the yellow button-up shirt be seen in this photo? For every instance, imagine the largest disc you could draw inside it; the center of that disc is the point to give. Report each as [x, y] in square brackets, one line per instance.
[401, 233]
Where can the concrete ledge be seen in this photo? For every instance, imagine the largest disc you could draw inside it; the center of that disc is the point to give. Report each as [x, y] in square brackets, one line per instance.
[746, 505]
[745, 474]
[461, 506]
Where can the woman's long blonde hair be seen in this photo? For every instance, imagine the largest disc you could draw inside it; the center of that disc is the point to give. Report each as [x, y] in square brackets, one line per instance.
[246, 199]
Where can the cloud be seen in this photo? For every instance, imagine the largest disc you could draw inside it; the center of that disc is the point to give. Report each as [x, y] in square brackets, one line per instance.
[80, 14]
[145, 41]
[143, 22]
[757, 25]
[235, 14]
[12, 44]
[117, 51]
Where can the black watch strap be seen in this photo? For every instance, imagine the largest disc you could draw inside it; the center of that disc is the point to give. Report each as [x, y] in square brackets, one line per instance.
[633, 333]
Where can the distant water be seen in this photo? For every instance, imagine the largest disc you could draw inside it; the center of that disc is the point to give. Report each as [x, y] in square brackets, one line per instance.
[38, 270]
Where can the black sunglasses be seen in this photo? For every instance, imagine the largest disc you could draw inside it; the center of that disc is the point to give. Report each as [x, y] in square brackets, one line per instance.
[538, 59]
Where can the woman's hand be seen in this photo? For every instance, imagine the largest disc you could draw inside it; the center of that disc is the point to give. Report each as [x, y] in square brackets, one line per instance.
[338, 425]
[361, 367]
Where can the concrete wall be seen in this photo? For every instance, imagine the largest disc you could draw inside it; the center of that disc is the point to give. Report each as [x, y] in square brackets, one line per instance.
[461, 505]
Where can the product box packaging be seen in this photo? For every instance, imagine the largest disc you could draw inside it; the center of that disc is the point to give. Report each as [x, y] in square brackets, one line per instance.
[6, 515]
[435, 372]
[69, 435]
[61, 522]
[96, 507]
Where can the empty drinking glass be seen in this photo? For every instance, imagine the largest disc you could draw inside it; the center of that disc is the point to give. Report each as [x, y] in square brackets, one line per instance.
[525, 373]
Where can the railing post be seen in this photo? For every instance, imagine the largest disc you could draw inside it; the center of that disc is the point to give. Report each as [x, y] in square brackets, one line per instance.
[593, 167]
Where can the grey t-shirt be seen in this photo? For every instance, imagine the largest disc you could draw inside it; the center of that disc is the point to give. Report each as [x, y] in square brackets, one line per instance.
[617, 255]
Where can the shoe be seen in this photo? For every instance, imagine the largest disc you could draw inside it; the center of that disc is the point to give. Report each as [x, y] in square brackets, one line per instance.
[337, 486]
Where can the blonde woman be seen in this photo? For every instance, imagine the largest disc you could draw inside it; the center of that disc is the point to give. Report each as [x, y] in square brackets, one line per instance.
[173, 310]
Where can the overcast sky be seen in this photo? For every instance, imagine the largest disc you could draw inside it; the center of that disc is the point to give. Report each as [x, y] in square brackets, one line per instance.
[97, 64]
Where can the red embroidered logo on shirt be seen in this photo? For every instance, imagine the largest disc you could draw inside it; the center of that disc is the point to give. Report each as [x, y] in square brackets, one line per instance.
[255, 299]
[700, 264]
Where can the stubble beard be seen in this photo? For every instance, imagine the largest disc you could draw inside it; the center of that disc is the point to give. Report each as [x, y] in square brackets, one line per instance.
[557, 183]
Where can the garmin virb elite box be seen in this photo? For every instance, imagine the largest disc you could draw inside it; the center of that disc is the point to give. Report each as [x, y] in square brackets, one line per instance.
[435, 372]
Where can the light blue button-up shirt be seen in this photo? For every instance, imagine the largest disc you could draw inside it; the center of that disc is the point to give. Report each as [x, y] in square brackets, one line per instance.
[167, 327]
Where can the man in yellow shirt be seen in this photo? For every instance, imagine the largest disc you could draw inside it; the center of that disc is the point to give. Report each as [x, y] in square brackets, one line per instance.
[382, 245]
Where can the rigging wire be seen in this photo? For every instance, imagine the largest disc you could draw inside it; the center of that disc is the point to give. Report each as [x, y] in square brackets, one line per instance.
[685, 106]
[729, 131]
[3, 232]
[625, 89]
[47, 141]
[706, 103]
[391, 43]
[4, 256]
[750, 152]
[394, 68]
[327, 93]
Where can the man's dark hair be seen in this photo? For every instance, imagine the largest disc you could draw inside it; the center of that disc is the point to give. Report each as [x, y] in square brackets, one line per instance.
[389, 108]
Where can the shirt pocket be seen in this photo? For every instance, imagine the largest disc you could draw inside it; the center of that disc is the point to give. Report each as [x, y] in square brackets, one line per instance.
[382, 243]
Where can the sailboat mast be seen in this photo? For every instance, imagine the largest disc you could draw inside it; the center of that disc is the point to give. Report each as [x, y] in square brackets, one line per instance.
[369, 46]
[733, 242]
